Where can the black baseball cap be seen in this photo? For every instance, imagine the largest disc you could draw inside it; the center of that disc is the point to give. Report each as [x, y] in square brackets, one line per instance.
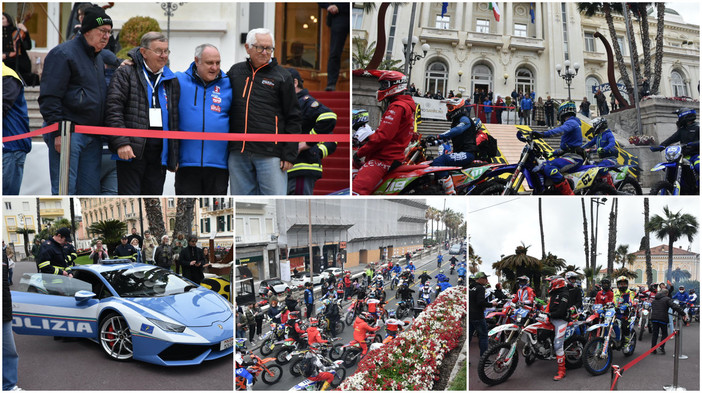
[64, 232]
[295, 74]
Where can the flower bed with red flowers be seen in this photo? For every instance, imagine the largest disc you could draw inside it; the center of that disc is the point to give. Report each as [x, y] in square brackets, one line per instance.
[411, 361]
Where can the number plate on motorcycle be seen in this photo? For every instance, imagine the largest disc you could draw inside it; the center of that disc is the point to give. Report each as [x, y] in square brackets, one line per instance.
[228, 343]
[523, 312]
[609, 313]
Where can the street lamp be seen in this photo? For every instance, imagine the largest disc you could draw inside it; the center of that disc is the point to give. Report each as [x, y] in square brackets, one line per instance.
[569, 73]
[409, 52]
[170, 9]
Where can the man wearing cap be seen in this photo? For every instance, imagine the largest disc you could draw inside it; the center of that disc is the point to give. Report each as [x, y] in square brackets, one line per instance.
[476, 309]
[205, 100]
[73, 88]
[51, 259]
[125, 250]
[265, 103]
[144, 96]
[316, 119]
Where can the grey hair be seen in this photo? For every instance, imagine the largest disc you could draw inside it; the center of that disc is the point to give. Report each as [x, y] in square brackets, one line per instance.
[200, 48]
[251, 36]
[151, 36]
[663, 292]
[163, 238]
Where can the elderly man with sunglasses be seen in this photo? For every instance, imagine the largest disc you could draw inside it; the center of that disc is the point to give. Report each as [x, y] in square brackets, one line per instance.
[264, 102]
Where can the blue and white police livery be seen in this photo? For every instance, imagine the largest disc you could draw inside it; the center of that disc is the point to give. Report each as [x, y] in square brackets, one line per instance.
[134, 311]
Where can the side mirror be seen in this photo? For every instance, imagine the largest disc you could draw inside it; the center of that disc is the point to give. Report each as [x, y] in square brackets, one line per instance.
[82, 296]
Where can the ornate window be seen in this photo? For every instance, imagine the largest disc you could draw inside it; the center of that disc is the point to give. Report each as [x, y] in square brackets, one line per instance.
[525, 81]
[481, 78]
[678, 84]
[436, 78]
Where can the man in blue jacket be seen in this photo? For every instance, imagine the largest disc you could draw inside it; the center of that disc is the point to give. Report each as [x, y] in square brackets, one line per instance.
[309, 299]
[603, 140]
[205, 100]
[73, 88]
[571, 142]
[526, 104]
[15, 121]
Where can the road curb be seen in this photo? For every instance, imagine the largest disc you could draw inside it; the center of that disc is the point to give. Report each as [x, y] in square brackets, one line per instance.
[456, 367]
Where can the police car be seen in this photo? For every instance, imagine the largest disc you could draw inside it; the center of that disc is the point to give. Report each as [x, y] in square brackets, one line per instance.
[133, 310]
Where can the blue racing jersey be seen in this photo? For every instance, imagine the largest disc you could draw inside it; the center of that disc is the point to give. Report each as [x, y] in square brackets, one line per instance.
[572, 136]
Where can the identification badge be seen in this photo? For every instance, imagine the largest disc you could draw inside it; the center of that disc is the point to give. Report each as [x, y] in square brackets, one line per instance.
[155, 117]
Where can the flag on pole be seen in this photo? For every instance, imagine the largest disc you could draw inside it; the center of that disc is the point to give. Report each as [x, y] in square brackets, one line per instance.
[444, 8]
[495, 10]
[532, 12]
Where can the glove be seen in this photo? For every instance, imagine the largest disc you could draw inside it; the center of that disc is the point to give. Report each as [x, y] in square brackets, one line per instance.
[537, 135]
[657, 148]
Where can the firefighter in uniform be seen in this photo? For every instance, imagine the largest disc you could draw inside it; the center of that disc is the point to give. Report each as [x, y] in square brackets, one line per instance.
[316, 119]
[71, 254]
[51, 259]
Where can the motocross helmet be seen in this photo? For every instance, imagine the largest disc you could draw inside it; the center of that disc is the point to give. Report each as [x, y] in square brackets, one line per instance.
[441, 272]
[566, 109]
[368, 317]
[478, 124]
[622, 283]
[392, 83]
[599, 125]
[360, 117]
[692, 291]
[571, 276]
[455, 107]
[681, 288]
[557, 283]
[314, 321]
[685, 116]
[294, 315]
[606, 284]
[523, 281]
[653, 288]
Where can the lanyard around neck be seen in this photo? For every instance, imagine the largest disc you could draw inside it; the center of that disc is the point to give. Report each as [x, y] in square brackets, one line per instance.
[153, 90]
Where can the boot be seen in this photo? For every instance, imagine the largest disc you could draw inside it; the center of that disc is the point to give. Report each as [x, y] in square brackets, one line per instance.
[564, 188]
[325, 386]
[447, 185]
[561, 368]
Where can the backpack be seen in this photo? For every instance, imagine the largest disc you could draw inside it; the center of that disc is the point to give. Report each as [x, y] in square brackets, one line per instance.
[488, 147]
[308, 367]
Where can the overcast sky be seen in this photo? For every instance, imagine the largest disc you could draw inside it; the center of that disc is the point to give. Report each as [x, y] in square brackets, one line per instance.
[689, 10]
[496, 226]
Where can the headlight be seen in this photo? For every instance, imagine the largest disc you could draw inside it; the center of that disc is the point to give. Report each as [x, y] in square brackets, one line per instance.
[672, 153]
[167, 326]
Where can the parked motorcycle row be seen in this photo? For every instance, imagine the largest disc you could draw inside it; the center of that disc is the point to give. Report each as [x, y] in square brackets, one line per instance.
[592, 335]
[280, 353]
[593, 177]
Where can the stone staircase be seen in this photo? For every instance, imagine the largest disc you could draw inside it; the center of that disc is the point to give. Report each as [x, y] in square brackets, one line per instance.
[31, 94]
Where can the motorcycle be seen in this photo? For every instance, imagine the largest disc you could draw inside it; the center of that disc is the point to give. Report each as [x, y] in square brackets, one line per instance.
[355, 308]
[597, 355]
[326, 353]
[499, 362]
[272, 337]
[452, 270]
[394, 281]
[590, 180]
[335, 368]
[353, 352]
[680, 175]
[289, 346]
[623, 176]
[270, 373]
[461, 281]
[644, 320]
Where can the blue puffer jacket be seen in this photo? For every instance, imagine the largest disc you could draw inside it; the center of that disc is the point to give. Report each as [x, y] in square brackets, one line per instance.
[572, 136]
[15, 120]
[606, 141]
[204, 108]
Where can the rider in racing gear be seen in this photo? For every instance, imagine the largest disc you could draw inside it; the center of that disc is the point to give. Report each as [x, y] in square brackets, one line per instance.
[524, 294]
[558, 312]
[405, 293]
[385, 148]
[571, 142]
[424, 277]
[605, 295]
[242, 372]
[623, 295]
[425, 293]
[440, 277]
[603, 139]
[688, 133]
[575, 293]
[361, 326]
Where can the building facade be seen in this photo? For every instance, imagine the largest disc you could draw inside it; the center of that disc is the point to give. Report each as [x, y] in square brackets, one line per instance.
[470, 49]
[213, 220]
[276, 235]
[20, 213]
[683, 259]
[131, 211]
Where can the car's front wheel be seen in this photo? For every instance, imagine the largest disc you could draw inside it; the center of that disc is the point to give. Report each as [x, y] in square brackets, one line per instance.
[116, 338]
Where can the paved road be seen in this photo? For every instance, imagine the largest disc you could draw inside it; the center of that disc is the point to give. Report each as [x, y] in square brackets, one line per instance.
[651, 373]
[46, 364]
[427, 262]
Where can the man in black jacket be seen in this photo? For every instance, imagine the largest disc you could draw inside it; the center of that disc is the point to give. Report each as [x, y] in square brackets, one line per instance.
[316, 119]
[144, 96]
[575, 293]
[73, 88]
[51, 259]
[264, 102]
[192, 260]
[659, 317]
[125, 250]
[476, 311]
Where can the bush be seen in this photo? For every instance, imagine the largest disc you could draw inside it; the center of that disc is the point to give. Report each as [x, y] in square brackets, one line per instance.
[131, 33]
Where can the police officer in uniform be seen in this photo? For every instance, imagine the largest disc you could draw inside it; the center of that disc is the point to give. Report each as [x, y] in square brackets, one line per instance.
[316, 119]
[51, 259]
[126, 250]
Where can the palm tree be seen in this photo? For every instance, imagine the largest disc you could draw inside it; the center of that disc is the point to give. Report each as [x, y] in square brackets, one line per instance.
[587, 245]
[437, 218]
[184, 216]
[673, 226]
[551, 264]
[363, 53]
[110, 231]
[680, 275]
[647, 250]
[591, 273]
[573, 268]
[621, 255]
[25, 236]
[612, 241]
[626, 273]
[658, 65]
[541, 229]
[474, 260]
[154, 215]
[520, 264]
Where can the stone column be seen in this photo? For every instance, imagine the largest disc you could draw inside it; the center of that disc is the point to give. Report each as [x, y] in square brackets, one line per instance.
[501, 24]
[425, 11]
[539, 21]
[508, 12]
[460, 23]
